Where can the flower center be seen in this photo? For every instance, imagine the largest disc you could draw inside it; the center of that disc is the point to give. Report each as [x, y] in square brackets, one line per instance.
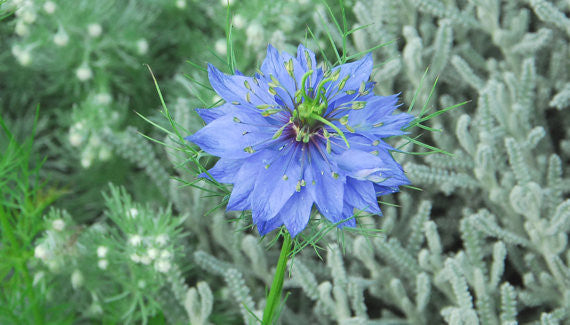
[308, 116]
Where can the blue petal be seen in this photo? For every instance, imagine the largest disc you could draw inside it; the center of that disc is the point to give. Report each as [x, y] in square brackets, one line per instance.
[297, 211]
[274, 65]
[230, 88]
[210, 114]
[244, 181]
[384, 190]
[275, 184]
[230, 135]
[359, 164]
[302, 54]
[361, 195]
[376, 109]
[347, 214]
[327, 190]
[225, 170]
[264, 227]
[357, 73]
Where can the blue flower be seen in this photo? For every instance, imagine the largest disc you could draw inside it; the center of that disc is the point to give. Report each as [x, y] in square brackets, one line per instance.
[294, 136]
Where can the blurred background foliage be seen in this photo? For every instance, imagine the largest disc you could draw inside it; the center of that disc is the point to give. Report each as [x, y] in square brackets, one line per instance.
[97, 227]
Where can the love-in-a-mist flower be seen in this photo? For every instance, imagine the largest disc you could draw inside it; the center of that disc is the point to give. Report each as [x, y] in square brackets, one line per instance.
[294, 136]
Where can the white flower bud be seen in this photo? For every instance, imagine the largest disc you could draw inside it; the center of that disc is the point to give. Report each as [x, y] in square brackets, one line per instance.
[86, 159]
[163, 266]
[94, 30]
[133, 213]
[58, 224]
[254, 34]
[49, 7]
[42, 252]
[161, 240]
[95, 141]
[76, 279]
[75, 139]
[38, 277]
[180, 4]
[165, 254]
[104, 154]
[103, 264]
[135, 240]
[95, 309]
[152, 253]
[135, 258]
[278, 38]
[221, 46]
[102, 251]
[61, 38]
[103, 99]
[24, 57]
[29, 16]
[142, 46]
[22, 29]
[141, 284]
[84, 72]
[239, 21]
[145, 260]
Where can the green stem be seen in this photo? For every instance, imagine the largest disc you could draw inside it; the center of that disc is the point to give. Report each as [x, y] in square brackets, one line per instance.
[277, 286]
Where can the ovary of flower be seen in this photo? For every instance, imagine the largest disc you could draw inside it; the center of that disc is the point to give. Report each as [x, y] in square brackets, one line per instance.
[42, 252]
[239, 21]
[102, 251]
[142, 46]
[76, 279]
[84, 73]
[180, 4]
[49, 7]
[103, 264]
[162, 266]
[58, 224]
[133, 213]
[135, 240]
[221, 46]
[161, 240]
[94, 30]
[61, 38]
